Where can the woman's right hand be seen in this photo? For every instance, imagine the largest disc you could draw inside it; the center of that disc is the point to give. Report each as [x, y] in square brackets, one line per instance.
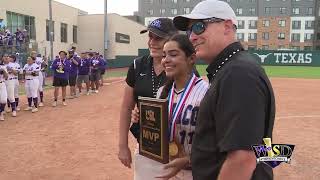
[125, 156]
[135, 115]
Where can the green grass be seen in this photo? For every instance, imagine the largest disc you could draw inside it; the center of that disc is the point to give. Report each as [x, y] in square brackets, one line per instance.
[282, 71]
[116, 73]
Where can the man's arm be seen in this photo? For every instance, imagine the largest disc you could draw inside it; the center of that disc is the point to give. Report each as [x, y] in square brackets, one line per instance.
[239, 165]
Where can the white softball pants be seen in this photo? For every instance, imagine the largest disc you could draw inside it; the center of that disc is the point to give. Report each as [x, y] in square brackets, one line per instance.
[32, 86]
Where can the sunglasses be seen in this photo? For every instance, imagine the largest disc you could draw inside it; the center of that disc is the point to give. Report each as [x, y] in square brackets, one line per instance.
[200, 26]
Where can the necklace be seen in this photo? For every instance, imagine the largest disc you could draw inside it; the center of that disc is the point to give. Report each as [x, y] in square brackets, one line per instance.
[154, 88]
[222, 63]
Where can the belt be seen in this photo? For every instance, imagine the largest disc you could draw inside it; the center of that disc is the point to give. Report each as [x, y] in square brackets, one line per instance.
[12, 78]
[29, 79]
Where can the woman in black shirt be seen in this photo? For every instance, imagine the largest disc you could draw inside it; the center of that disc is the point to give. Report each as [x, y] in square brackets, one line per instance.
[144, 78]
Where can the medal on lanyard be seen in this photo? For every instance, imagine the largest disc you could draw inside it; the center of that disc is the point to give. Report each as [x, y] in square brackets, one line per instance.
[174, 113]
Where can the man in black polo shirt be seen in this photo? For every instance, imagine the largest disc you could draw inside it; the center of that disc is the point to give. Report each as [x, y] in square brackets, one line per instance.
[239, 107]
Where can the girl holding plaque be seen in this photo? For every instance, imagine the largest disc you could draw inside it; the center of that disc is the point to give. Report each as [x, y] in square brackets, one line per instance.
[145, 76]
[184, 91]
[61, 68]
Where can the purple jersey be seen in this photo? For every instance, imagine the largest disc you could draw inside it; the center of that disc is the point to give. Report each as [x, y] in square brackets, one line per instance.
[61, 68]
[84, 67]
[74, 67]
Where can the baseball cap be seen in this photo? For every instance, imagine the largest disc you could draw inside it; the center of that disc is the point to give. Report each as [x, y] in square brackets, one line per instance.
[162, 27]
[205, 10]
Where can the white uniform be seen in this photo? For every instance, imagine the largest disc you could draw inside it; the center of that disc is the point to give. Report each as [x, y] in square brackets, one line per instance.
[3, 88]
[11, 81]
[16, 84]
[39, 61]
[145, 168]
[32, 82]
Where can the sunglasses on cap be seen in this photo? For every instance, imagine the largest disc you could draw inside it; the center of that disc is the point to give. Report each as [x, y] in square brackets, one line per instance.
[200, 26]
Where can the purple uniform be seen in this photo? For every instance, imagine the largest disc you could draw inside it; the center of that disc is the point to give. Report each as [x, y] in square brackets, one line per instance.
[84, 67]
[96, 64]
[64, 71]
[74, 67]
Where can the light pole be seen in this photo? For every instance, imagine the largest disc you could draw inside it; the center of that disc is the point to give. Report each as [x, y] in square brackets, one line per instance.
[50, 30]
[105, 29]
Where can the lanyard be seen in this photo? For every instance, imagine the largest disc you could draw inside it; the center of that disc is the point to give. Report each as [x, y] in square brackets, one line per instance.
[180, 105]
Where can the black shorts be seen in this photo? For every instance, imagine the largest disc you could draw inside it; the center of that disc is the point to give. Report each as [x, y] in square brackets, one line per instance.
[95, 76]
[72, 80]
[60, 82]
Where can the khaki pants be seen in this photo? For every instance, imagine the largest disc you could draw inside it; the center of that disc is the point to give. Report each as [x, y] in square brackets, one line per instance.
[145, 168]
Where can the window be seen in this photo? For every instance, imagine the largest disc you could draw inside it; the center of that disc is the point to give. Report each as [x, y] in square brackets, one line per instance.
[296, 11]
[149, 1]
[186, 10]
[19, 21]
[48, 30]
[283, 10]
[318, 36]
[186, 0]
[162, 11]
[317, 47]
[295, 37]
[64, 32]
[265, 23]
[307, 48]
[308, 37]
[296, 24]
[150, 12]
[252, 1]
[252, 36]
[267, 10]
[309, 25]
[240, 36]
[240, 24]
[281, 36]
[252, 24]
[174, 1]
[161, 1]
[239, 11]
[282, 23]
[265, 36]
[174, 11]
[265, 47]
[75, 34]
[252, 11]
[281, 47]
[309, 11]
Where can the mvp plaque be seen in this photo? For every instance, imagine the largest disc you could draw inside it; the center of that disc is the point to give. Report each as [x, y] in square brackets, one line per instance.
[154, 142]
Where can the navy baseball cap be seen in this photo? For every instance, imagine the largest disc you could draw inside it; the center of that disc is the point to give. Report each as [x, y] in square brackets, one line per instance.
[162, 27]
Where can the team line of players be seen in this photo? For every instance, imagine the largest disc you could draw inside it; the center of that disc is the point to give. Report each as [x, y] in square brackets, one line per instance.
[68, 69]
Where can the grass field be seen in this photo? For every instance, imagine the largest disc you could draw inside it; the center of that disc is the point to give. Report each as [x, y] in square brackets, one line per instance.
[283, 71]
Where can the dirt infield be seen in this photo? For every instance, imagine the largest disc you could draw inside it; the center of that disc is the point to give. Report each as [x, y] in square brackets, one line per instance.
[79, 141]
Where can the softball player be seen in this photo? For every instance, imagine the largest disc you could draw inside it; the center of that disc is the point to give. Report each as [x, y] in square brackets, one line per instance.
[185, 93]
[31, 71]
[95, 72]
[11, 83]
[3, 90]
[39, 62]
[17, 67]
